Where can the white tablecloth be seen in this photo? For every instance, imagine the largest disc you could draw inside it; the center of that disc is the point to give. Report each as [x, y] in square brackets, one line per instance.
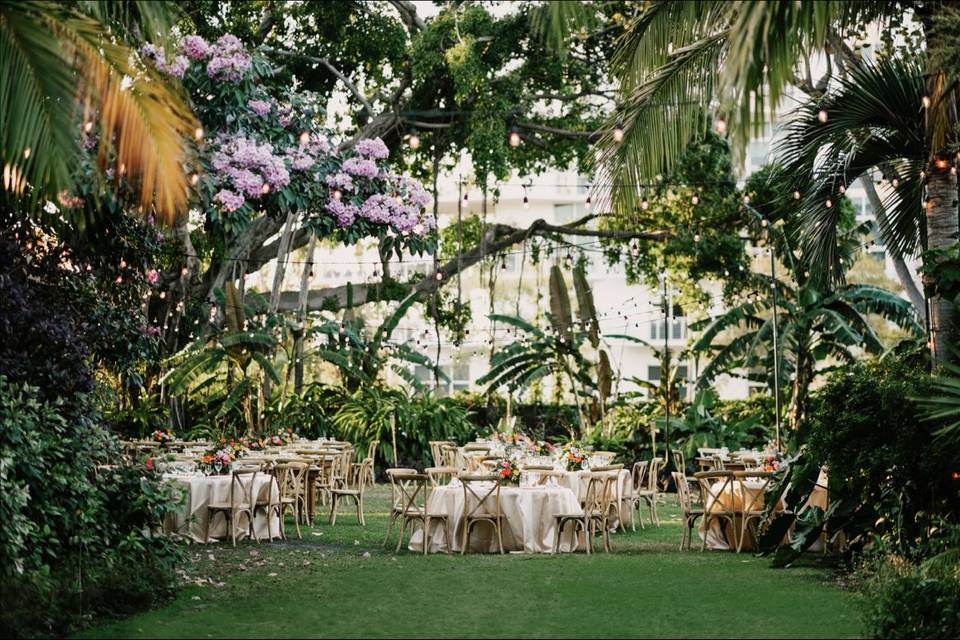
[191, 518]
[577, 482]
[529, 524]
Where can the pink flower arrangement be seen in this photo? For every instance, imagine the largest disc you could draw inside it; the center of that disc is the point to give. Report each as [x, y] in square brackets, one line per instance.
[361, 167]
[228, 60]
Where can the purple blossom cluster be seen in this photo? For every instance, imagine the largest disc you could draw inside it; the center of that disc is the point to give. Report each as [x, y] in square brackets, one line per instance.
[361, 168]
[194, 47]
[156, 56]
[260, 107]
[228, 59]
[245, 170]
[372, 148]
[366, 192]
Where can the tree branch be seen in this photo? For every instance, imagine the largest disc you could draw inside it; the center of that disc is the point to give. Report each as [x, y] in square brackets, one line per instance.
[409, 16]
[351, 87]
[496, 239]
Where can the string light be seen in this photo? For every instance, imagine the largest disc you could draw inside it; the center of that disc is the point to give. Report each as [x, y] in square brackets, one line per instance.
[829, 203]
[194, 178]
[198, 133]
[305, 137]
[644, 204]
[925, 101]
[695, 199]
[720, 126]
[796, 195]
[822, 116]
[514, 138]
[337, 194]
[87, 127]
[618, 133]
[941, 164]
[414, 140]
[589, 204]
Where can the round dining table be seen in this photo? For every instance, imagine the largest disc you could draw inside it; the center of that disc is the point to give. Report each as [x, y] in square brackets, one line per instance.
[529, 523]
[191, 518]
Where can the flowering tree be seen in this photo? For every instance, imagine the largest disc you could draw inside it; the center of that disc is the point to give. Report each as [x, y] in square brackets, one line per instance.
[263, 164]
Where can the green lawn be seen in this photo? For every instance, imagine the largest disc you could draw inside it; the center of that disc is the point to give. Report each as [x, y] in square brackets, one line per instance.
[340, 582]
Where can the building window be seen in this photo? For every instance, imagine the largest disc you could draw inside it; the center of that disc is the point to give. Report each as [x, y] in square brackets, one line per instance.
[677, 328]
[653, 375]
[458, 377]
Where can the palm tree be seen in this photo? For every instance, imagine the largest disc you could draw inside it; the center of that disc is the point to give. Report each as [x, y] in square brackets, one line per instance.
[875, 126]
[736, 60]
[70, 67]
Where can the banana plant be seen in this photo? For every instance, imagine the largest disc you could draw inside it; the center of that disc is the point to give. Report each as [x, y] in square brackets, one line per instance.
[812, 326]
[222, 362]
[360, 360]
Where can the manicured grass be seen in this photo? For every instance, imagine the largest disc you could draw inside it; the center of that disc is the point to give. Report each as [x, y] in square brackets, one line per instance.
[340, 582]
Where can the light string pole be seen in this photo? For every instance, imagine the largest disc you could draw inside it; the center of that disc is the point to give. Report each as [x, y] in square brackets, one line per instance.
[776, 329]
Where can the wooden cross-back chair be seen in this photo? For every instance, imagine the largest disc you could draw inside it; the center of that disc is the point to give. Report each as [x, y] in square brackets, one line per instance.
[481, 503]
[752, 500]
[716, 487]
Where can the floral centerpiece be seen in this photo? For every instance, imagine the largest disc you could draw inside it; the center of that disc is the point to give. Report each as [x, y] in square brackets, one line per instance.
[539, 448]
[217, 460]
[163, 436]
[510, 439]
[772, 463]
[573, 457]
[508, 471]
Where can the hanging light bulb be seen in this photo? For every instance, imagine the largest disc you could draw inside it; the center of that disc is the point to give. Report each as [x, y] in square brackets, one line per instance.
[568, 261]
[941, 164]
[696, 236]
[634, 249]
[746, 198]
[695, 199]
[895, 182]
[618, 133]
[720, 126]
[526, 202]
[925, 101]
[514, 138]
[829, 203]
[87, 127]
[822, 116]
[198, 133]
[439, 275]
[337, 194]
[305, 137]
[763, 222]
[465, 196]
[644, 204]
[194, 178]
[796, 195]
[414, 140]
[842, 189]
[265, 189]
[589, 204]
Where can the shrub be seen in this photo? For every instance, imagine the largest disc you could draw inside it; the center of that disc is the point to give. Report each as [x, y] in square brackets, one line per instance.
[906, 601]
[895, 480]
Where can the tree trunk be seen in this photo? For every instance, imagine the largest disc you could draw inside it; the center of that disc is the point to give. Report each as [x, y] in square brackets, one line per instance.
[803, 376]
[302, 316]
[900, 266]
[942, 231]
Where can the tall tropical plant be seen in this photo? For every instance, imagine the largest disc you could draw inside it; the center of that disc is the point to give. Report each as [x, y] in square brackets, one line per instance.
[361, 359]
[812, 326]
[223, 362]
[71, 68]
[737, 59]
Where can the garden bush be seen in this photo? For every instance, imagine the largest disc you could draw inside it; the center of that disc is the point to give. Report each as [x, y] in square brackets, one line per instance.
[896, 481]
[72, 537]
[902, 600]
